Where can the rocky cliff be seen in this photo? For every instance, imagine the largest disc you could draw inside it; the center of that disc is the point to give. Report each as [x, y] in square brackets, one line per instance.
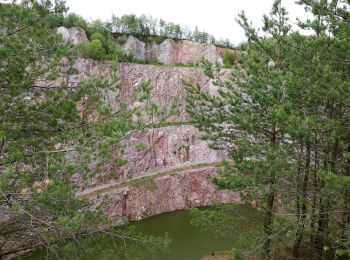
[171, 154]
[175, 145]
[168, 192]
[172, 170]
[172, 51]
[169, 51]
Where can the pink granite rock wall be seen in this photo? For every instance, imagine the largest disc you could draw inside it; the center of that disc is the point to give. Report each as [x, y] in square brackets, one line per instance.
[163, 149]
[173, 51]
[192, 188]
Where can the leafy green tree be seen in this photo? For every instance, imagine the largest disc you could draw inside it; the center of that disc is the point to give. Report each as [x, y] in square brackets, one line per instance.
[329, 54]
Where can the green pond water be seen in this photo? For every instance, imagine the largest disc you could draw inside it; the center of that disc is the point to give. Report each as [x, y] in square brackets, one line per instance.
[189, 241]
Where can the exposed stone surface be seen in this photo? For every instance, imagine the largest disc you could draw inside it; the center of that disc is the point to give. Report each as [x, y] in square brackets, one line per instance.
[192, 188]
[135, 46]
[173, 51]
[74, 35]
[172, 146]
[219, 255]
[164, 147]
[167, 83]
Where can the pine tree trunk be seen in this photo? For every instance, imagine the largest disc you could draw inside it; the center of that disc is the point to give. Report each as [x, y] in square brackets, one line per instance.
[314, 195]
[302, 215]
[268, 216]
[322, 229]
[268, 222]
[323, 222]
[346, 214]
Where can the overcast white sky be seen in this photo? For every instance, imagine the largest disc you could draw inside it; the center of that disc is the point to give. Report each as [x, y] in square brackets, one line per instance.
[216, 17]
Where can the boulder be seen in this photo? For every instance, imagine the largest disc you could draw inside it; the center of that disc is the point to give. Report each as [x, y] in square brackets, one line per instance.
[135, 47]
[74, 35]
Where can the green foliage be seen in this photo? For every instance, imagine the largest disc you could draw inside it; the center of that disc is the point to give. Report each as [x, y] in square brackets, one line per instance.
[74, 20]
[50, 131]
[148, 28]
[100, 48]
[92, 49]
[141, 146]
[101, 44]
[159, 39]
[229, 58]
[242, 222]
[117, 243]
[283, 117]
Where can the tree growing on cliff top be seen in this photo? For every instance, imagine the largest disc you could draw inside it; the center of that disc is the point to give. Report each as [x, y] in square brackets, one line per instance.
[283, 117]
[50, 130]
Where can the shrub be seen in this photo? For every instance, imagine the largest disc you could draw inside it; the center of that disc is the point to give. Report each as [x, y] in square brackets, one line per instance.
[74, 20]
[229, 58]
[122, 39]
[92, 49]
[159, 39]
[98, 36]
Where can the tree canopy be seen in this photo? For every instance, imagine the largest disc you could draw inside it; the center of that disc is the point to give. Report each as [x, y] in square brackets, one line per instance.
[283, 118]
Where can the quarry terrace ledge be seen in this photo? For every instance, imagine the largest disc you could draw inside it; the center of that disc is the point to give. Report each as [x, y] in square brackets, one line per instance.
[160, 192]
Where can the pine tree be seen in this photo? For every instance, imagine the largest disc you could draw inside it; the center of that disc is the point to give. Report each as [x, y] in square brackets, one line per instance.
[283, 118]
[245, 118]
[50, 130]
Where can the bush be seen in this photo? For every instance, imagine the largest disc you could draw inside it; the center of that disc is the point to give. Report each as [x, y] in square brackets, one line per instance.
[97, 26]
[229, 58]
[122, 39]
[159, 39]
[98, 36]
[74, 20]
[92, 49]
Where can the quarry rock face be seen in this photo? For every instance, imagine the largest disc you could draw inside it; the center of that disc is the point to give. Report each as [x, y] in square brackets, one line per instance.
[192, 188]
[168, 52]
[156, 149]
[172, 169]
[167, 84]
[136, 47]
[172, 51]
[156, 153]
[167, 147]
[74, 35]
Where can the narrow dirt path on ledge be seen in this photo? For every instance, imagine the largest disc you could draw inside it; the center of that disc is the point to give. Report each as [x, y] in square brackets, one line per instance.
[98, 190]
